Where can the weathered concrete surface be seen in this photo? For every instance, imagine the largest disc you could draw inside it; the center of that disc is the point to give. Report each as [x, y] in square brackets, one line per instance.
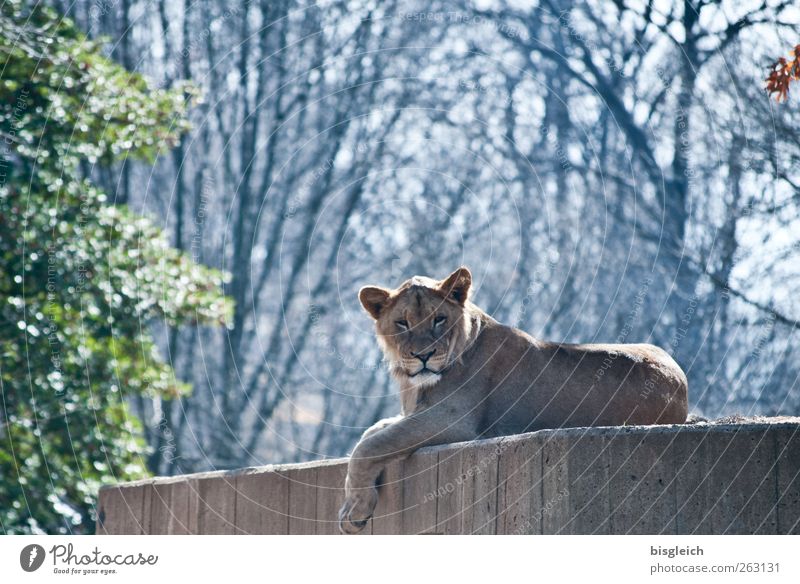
[721, 478]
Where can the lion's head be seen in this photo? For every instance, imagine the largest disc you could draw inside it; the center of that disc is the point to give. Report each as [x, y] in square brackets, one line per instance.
[423, 326]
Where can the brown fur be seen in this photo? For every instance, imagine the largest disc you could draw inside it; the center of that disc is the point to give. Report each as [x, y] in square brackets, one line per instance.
[485, 379]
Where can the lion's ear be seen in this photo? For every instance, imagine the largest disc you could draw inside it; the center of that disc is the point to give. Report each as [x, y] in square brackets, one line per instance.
[373, 299]
[456, 285]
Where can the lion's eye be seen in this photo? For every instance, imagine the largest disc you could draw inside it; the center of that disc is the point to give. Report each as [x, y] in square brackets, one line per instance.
[402, 325]
[439, 321]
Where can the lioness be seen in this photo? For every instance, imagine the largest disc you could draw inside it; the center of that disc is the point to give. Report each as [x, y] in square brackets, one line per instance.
[463, 376]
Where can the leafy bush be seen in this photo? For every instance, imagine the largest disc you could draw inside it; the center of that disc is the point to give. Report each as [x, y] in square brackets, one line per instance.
[79, 278]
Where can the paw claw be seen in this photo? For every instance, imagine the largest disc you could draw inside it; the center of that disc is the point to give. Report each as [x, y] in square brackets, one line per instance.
[348, 525]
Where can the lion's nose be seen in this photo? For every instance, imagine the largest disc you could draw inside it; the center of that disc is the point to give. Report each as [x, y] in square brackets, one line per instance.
[423, 356]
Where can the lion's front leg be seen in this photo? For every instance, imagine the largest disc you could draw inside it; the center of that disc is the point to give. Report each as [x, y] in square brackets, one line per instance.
[378, 426]
[373, 452]
[360, 502]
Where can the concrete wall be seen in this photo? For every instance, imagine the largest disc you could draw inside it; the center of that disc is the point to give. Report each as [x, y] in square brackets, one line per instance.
[703, 479]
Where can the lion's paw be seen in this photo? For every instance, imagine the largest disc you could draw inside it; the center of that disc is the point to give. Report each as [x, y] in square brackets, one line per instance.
[357, 510]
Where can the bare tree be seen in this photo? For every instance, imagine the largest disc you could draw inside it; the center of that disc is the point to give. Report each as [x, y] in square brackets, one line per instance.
[609, 171]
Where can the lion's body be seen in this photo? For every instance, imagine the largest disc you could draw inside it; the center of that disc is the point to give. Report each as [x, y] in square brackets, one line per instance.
[511, 383]
[476, 378]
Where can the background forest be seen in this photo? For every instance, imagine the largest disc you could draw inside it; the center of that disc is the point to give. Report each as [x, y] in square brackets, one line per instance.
[610, 171]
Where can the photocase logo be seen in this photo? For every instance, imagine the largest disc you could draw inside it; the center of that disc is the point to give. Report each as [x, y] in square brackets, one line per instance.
[31, 557]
